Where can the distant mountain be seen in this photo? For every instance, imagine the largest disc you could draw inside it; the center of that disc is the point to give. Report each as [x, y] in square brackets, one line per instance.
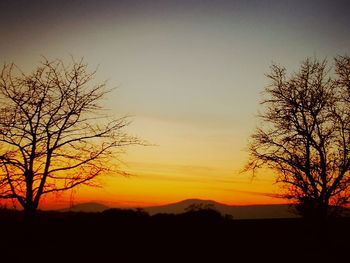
[86, 207]
[238, 212]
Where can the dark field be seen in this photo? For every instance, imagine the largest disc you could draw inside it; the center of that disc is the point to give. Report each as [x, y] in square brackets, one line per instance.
[199, 236]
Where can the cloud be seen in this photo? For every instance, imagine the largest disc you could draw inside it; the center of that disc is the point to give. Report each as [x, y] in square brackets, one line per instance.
[266, 194]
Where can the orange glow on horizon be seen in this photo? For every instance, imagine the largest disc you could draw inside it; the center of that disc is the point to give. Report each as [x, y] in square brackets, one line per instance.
[152, 189]
[189, 162]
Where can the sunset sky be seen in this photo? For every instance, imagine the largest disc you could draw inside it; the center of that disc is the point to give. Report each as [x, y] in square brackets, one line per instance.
[190, 73]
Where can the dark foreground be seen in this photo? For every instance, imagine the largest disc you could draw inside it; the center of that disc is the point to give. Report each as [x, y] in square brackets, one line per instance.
[200, 236]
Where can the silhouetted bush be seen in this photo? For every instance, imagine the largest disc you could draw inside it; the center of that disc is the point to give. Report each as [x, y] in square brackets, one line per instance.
[207, 214]
[125, 212]
[133, 236]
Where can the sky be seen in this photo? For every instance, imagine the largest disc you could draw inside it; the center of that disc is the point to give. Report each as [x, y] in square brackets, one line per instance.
[189, 73]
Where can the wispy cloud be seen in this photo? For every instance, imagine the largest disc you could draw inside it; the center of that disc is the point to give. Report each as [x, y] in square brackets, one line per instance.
[267, 194]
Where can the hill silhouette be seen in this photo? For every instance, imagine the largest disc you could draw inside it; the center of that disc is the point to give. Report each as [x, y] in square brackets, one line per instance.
[86, 207]
[237, 212]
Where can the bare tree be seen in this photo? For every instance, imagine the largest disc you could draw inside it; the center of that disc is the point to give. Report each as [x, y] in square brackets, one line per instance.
[304, 134]
[54, 132]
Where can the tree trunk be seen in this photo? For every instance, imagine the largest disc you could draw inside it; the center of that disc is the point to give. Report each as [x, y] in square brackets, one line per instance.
[30, 206]
[316, 210]
[30, 211]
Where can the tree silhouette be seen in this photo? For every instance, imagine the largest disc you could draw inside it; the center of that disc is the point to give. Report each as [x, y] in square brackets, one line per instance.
[54, 132]
[304, 134]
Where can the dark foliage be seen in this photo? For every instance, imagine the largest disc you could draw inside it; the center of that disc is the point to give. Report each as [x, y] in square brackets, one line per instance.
[195, 236]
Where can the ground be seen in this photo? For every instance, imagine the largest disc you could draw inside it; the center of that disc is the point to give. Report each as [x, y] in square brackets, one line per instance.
[197, 236]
